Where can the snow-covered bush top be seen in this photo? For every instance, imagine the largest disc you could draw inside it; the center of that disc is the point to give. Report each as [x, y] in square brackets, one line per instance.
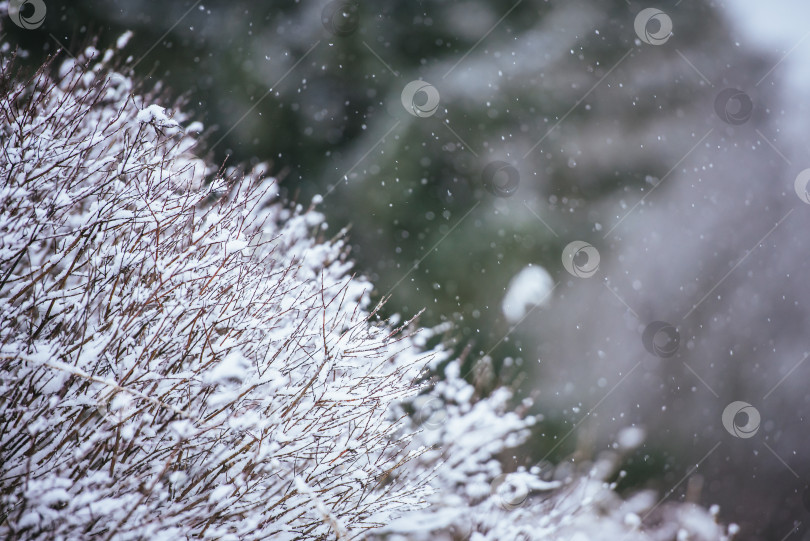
[179, 358]
[182, 357]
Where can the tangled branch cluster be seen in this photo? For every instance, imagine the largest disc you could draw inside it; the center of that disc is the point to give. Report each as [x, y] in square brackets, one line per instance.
[179, 357]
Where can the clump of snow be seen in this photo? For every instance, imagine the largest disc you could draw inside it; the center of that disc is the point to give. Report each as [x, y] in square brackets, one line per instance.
[630, 437]
[529, 288]
[123, 40]
[156, 115]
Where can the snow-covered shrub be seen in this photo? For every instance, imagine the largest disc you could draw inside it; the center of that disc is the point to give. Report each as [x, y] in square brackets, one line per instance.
[177, 360]
[183, 356]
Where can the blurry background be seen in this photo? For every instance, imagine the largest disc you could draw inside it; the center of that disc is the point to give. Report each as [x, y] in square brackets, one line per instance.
[617, 141]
